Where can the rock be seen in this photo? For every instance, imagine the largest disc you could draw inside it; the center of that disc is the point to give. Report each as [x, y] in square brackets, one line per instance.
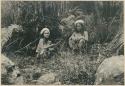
[46, 79]
[109, 69]
[57, 83]
[10, 72]
[19, 81]
[5, 64]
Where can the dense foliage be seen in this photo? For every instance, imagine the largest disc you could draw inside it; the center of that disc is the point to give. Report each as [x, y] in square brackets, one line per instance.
[104, 23]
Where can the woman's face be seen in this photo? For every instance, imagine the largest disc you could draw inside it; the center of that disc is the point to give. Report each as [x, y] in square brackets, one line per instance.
[78, 27]
[46, 34]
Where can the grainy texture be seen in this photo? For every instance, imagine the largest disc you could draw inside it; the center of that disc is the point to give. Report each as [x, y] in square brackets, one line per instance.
[21, 25]
[109, 69]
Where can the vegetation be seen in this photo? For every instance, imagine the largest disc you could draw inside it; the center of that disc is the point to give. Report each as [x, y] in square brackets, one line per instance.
[104, 22]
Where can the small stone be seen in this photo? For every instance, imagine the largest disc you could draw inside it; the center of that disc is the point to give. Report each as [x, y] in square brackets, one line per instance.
[19, 81]
[46, 79]
[57, 83]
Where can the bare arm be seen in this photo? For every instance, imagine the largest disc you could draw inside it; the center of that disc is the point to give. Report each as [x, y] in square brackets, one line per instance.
[52, 45]
[86, 35]
[40, 44]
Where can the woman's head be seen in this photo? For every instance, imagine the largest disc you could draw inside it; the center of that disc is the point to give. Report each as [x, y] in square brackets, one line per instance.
[45, 32]
[79, 25]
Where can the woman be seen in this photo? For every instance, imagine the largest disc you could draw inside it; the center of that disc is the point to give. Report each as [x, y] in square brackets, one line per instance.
[45, 47]
[79, 38]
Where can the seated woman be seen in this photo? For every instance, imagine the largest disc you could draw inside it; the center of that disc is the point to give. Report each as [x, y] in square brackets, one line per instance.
[45, 47]
[79, 38]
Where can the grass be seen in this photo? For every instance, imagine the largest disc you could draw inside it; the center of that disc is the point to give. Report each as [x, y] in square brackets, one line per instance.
[71, 69]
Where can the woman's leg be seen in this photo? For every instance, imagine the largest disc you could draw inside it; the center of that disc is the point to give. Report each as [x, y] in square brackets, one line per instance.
[38, 58]
[81, 46]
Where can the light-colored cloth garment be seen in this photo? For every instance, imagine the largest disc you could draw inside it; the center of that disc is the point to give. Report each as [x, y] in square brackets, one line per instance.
[42, 45]
[79, 21]
[44, 29]
[77, 40]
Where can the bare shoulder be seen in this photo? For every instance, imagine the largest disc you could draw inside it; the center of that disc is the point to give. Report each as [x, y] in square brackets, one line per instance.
[86, 32]
[41, 40]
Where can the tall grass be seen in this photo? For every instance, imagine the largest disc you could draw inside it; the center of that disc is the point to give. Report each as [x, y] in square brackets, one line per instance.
[70, 69]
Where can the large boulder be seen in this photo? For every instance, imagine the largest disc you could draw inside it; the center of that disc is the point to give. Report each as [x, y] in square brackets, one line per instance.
[111, 71]
[10, 72]
[6, 63]
[47, 79]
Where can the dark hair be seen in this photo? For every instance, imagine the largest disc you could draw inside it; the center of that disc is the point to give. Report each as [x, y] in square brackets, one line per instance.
[83, 27]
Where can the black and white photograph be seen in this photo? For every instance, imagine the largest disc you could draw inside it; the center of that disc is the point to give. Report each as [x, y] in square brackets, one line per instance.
[62, 42]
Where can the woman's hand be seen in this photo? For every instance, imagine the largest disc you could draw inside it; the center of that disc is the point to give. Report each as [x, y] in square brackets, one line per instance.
[82, 37]
[49, 46]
